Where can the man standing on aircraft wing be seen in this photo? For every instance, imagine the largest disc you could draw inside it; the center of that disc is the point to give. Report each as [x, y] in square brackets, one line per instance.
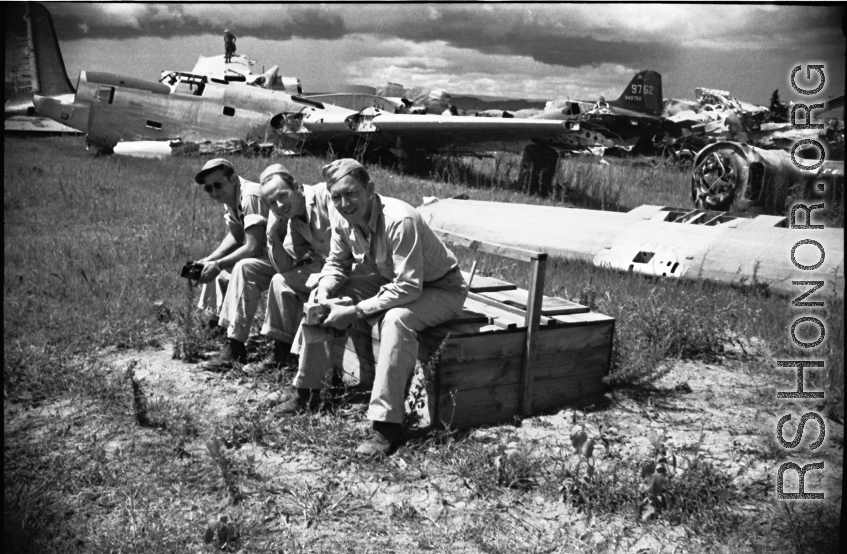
[229, 45]
[233, 299]
[299, 235]
[404, 280]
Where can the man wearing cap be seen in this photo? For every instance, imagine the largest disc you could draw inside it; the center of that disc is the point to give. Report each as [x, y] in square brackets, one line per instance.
[298, 243]
[404, 280]
[234, 297]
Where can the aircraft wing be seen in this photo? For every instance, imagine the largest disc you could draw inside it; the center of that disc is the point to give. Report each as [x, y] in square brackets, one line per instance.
[654, 240]
[433, 132]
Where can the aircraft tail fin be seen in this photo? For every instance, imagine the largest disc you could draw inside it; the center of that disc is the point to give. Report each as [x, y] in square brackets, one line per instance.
[642, 94]
[33, 59]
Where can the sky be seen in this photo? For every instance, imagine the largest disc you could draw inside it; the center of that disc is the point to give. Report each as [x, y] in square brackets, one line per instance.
[532, 51]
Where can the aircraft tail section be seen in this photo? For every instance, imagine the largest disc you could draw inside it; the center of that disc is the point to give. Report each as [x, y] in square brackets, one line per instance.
[642, 94]
[34, 62]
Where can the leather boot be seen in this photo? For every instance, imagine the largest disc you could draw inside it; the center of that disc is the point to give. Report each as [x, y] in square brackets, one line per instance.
[301, 401]
[234, 351]
[275, 362]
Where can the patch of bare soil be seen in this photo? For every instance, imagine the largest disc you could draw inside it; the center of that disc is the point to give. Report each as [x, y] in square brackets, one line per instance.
[218, 468]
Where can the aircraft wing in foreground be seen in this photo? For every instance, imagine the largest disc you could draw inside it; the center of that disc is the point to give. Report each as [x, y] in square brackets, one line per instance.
[654, 240]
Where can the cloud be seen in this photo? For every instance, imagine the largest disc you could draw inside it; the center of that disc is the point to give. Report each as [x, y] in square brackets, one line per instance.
[128, 21]
[571, 35]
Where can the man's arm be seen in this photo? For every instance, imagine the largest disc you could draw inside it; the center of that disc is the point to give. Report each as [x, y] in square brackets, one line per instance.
[278, 235]
[253, 240]
[337, 267]
[227, 245]
[407, 256]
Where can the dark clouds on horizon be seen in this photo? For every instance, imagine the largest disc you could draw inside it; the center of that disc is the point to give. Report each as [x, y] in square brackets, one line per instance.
[89, 21]
[560, 35]
[525, 50]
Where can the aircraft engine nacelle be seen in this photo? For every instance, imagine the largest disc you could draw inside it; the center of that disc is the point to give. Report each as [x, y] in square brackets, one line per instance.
[729, 175]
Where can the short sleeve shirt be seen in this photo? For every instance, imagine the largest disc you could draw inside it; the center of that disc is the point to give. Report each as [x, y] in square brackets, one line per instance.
[252, 209]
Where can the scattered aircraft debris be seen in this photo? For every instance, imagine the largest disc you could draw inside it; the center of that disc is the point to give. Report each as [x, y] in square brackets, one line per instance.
[735, 248]
[240, 70]
[740, 177]
[33, 66]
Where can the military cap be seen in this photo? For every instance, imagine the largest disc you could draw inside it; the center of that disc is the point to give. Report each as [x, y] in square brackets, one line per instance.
[339, 169]
[210, 166]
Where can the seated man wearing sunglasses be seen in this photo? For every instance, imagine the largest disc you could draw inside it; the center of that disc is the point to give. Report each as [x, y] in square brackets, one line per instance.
[236, 274]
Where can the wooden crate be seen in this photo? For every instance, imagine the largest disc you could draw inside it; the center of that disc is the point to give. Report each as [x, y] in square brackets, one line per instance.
[477, 377]
[513, 352]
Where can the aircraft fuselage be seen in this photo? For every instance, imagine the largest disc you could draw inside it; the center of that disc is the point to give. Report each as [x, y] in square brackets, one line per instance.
[111, 109]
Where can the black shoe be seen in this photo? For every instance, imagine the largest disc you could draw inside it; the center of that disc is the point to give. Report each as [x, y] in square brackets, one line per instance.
[234, 351]
[384, 438]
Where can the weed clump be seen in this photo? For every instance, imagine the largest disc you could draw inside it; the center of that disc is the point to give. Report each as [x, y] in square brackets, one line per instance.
[650, 331]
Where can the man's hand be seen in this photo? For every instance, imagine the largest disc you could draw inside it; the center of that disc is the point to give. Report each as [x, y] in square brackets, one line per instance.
[340, 317]
[210, 271]
[319, 296]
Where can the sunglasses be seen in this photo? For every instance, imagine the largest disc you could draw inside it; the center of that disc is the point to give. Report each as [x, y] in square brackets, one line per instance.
[216, 185]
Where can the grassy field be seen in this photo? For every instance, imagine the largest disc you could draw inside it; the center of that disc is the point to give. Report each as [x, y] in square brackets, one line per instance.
[93, 246]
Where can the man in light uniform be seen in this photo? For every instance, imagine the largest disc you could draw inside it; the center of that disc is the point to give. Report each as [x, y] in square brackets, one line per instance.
[233, 299]
[404, 280]
[298, 243]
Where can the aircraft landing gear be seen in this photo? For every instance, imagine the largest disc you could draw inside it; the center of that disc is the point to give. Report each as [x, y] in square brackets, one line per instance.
[538, 168]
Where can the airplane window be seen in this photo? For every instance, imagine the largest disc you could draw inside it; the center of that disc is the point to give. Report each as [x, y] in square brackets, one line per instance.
[106, 94]
[229, 111]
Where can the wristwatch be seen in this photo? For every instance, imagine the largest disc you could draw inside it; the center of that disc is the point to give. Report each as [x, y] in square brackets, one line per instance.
[360, 314]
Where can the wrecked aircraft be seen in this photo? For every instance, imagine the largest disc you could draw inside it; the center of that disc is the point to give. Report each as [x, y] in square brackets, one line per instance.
[190, 107]
[735, 248]
[718, 116]
[740, 177]
[631, 120]
[33, 66]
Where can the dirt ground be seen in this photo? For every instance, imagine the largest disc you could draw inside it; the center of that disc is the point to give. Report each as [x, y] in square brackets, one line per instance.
[300, 494]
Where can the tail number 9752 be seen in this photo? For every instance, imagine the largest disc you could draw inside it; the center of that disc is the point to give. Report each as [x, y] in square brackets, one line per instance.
[642, 89]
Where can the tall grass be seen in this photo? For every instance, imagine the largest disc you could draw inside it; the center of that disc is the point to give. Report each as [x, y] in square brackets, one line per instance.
[93, 246]
[93, 243]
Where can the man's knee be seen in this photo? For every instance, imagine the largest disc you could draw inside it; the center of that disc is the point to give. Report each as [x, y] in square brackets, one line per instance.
[401, 320]
[284, 284]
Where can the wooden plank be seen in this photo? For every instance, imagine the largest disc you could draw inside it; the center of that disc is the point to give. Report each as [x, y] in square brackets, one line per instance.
[498, 314]
[551, 305]
[473, 374]
[589, 318]
[487, 284]
[489, 247]
[506, 308]
[500, 403]
[533, 317]
[469, 316]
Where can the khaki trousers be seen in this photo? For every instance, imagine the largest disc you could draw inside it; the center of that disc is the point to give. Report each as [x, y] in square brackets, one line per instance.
[234, 297]
[440, 301]
[286, 296]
